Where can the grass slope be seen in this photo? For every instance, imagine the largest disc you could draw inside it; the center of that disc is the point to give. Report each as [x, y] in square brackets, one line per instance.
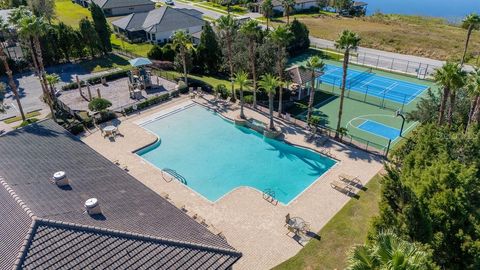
[347, 228]
[70, 13]
[428, 37]
[105, 63]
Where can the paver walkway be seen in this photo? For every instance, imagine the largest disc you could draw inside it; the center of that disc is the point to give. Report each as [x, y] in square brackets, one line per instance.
[251, 224]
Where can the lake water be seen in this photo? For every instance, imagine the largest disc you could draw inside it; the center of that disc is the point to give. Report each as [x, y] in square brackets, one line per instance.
[452, 10]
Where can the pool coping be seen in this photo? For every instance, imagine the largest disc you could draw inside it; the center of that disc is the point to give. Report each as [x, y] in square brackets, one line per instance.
[190, 103]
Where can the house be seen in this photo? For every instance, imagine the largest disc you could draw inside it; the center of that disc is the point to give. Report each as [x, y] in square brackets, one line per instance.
[157, 26]
[51, 221]
[120, 7]
[278, 6]
[301, 77]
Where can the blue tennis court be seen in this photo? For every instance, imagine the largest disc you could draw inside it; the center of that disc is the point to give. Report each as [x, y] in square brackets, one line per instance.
[367, 82]
[379, 129]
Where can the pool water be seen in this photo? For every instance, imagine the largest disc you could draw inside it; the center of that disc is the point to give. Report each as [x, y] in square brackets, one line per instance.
[214, 157]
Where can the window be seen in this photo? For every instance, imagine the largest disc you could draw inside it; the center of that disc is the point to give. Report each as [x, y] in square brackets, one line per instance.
[153, 37]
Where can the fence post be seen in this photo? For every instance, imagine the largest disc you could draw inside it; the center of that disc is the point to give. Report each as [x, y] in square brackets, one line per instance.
[393, 60]
[388, 147]
[408, 64]
[378, 60]
[366, 93]
[383, 100]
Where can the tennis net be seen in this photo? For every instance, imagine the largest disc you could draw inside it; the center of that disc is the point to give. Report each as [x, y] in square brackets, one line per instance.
[360, 77]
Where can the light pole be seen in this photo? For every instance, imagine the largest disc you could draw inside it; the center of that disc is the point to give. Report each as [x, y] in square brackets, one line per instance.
[399, 113]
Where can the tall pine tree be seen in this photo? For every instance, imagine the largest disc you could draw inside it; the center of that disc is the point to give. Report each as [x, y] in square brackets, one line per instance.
[101, 27]
[208, 51]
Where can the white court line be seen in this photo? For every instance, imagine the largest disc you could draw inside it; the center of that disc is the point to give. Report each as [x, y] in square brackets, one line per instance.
[388, 88]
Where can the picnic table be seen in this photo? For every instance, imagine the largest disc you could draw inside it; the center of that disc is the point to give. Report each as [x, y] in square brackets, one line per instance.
[110, 130]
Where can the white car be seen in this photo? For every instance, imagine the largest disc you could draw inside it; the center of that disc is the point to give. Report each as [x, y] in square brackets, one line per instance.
[169, 2]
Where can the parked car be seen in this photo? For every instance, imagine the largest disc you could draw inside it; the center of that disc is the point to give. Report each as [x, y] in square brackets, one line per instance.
[169, 2]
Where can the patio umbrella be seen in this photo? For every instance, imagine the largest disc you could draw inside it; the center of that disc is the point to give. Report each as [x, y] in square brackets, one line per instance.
[141, 61]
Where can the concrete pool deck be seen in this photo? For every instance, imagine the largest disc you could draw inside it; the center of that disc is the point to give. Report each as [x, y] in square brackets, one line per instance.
[252, 225]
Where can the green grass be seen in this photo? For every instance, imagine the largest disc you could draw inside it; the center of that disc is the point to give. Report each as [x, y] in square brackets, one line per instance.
[347, 228]
[70, 13]
[210, 80]
[235, 9]
[141, 49]
[19, 118]
[103, 63]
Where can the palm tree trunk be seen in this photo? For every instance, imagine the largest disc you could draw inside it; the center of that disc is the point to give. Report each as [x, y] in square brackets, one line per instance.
[11, 83]
[254, 72]
[268, 20]
[270, 108]
[43, 80]
[443, 105]
[280, 78]
[469, 33]
[451, 107]
[242, 115]
[185, 76]
[342, 94]
[230, 63]
[311, 97]
[473, 107]
[476, 112]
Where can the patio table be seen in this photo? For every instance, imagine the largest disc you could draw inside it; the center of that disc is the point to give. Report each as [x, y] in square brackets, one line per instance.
[110, 130]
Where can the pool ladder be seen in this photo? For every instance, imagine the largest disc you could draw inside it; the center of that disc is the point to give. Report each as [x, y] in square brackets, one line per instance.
[269, 196]
[173, 175]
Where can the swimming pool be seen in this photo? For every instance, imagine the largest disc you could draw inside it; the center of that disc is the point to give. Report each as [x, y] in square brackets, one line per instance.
[369, 83]
[212, 156]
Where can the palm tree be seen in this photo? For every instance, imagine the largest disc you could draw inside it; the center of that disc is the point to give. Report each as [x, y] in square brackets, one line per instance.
[269, 83]
[52, 80]
[449, 77]
[281, 37]
[31, 27]
[4, 30]
[473, 88]
[267, 10]
[182, 42]
[241, 78]
[251, 30]
[287, 8]
[347, 41]
[388, 251]
[228, 28]
[471, 22]
[314, 64]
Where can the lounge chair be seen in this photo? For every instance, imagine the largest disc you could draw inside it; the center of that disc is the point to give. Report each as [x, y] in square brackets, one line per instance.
[321, 140]
[342, 186]
[287, 117]
[350, 179]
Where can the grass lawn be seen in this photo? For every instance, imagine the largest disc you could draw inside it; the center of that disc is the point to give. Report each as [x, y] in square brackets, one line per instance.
[235, 9]
[19, 118]
[70, 13]
[213, 81]
[347, 228]
[141, 49]
[105, 63]
[427, 37]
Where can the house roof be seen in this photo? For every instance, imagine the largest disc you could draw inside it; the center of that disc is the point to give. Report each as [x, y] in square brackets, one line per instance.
[122, 3]
[44, 226]
[300, 75]
[161, 19]
[277, 3]
[169, 19]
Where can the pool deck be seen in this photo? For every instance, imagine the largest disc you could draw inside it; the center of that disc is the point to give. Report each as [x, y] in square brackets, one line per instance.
[251, 225]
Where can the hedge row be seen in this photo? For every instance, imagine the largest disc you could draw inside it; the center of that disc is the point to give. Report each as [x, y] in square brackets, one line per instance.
[96, 80]
[149, 102]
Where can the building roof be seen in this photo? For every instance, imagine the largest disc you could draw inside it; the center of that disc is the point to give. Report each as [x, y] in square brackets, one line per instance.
[161, 19]
[277, 3]
[122, 3]
[300, 75]
[44, 226]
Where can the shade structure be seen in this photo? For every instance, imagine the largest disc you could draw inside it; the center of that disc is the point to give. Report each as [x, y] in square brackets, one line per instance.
[141, 61]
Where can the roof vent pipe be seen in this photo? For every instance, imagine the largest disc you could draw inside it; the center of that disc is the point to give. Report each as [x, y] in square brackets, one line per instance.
[92, 206]
[60, 179]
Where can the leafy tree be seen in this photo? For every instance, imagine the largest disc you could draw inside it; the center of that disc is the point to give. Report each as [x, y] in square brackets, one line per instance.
[388, 251]
[16, 3]
[267, 10]
[347, 41]
[300, 41]
[228, 27]
[209, 51]
[269, 83]
[168, 52]
[182, 42]
[4, 30]
[241, 78]
[252, 31]
[99, 105]
[281, 37]
[471, 22]
[101, 27]
[66, 39]
[314, 64]
[450, 77]
[43, 8]
[52, 80]
[287, 8]
[90, 36]
[426, 109]
[323, 4]
[343, 5]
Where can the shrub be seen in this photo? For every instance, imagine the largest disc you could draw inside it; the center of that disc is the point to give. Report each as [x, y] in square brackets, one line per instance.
[168, 53]
[164, 65]
[85, 118]
[96, 80]
[248, 99]
[99, 104]
[182, 87]
[222, 90]
[76, 129]
[27, 122]
[155, 53]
